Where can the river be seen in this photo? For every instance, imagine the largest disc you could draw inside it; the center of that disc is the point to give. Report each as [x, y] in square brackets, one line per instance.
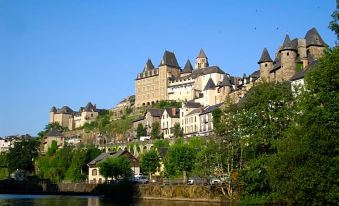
[56, 200]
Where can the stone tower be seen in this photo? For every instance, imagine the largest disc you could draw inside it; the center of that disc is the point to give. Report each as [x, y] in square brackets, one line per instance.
[168, 67]
[265, 65]
[288, 55]
[315, 45]
[201, 61]
[52, 113]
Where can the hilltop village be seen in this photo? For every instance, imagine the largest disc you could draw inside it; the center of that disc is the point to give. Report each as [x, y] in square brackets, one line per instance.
[200, 89]
[267, 137]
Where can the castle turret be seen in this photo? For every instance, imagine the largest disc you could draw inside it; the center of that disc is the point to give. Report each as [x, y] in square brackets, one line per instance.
[51, 114]
[201, 60]
[315, 45]
[168, 67]
[288, 53]
[148, 66]
[187, 68]
[210, 93]
[265, 65]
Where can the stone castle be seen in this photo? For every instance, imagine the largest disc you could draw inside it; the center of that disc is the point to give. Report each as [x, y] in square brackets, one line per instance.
[210, 85]
[70, 119]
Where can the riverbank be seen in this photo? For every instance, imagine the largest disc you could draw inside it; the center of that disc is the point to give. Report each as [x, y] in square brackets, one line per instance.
[121, 191]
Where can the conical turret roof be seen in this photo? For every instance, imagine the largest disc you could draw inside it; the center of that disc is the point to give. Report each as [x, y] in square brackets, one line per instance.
[313, 38]
[188, 67]
[169, 59]
[265, 57]
[210, 84]
[287, 45]
[201, 54]
[149, 65]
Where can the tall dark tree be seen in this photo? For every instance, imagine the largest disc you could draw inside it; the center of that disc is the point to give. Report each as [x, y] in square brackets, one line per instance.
[177, 131]
[334, 26]
[155, 132]
[141, 131]
[150, 162]
[306, 168]
[22, 155]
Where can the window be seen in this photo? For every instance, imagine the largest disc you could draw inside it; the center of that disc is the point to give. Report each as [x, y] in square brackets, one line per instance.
[265, 65]
[288, 54]
[94, 172]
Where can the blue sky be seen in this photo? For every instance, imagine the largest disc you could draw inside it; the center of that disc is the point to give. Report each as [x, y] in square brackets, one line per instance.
[55, 53]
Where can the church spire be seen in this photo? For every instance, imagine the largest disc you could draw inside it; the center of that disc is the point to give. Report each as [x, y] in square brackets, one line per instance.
[201, 60]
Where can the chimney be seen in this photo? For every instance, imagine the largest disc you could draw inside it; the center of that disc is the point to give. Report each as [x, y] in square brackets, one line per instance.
[174, 111]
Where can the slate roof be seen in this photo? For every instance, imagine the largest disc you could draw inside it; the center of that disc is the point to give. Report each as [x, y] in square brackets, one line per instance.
[155, 112]
[265, 57]
[225, 82]
[194, 111]
[169, 59]
[301, 74]
[287, 45]
[201, 54]
[313, 38]
[255, 74]
[53, 133]
[53, 109]
[188, 67]
[65, 110]
[148, 66]
[298, 75]
[199, 72]
[192, 104]
[276, 63]
[89, 107]
[101, 157]
[106, 155]
[210, 109]
[210, 84]
[169, 112]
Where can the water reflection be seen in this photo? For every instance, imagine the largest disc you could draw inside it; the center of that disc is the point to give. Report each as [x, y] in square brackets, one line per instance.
[49, 200]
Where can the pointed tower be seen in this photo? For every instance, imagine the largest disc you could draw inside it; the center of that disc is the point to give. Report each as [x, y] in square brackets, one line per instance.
[209, 93]
[315, 45]
[201, 61]
[265, 65]
[288, 53]
[148, 66]
[187, 69]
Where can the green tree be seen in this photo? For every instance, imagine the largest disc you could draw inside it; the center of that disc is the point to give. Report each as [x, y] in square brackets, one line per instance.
[177, 131]
[150, 162]
[155, 132]
[334, 26]
[161, 143]
[22, 155]
[74, 171]
[115, 168]
[141, 131]
[306, 167]
[180, 158]
[3, 166]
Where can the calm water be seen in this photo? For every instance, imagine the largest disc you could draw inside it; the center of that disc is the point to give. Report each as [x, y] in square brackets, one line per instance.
[54, 200]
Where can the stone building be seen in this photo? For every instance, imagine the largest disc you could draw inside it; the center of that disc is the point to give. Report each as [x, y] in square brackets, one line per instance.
[206, 120]
[70, 119]
[94, 176]
[53, 135]
[169, 118]
[292, 57]
[152, 83]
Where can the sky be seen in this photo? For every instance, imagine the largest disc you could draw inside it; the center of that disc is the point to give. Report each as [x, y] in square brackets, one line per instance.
[56, 53]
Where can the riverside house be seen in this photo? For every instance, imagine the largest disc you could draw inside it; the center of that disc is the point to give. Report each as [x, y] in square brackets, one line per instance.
[94, 176]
